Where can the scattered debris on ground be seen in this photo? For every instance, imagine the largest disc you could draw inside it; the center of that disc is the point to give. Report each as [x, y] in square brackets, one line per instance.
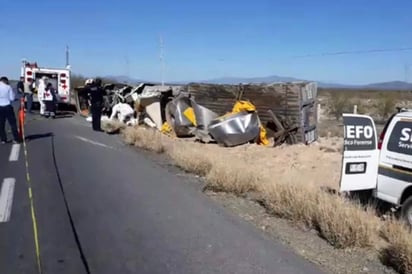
[288, 117]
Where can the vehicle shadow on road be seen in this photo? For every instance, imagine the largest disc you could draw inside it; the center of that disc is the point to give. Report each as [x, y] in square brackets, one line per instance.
[38, 136]
[64, 114]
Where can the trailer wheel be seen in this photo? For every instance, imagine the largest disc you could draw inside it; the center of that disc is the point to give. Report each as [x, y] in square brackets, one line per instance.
[406, 211]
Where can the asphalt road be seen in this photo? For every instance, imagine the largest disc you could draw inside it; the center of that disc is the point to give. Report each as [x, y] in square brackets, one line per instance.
[130, 214]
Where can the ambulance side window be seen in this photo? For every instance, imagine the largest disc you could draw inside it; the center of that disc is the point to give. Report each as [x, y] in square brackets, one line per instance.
[400, 139]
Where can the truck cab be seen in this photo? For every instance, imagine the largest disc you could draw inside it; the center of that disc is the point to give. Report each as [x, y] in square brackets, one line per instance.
[382, 165]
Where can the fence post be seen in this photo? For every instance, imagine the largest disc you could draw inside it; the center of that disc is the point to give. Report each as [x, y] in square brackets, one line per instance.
[318, 111]
[355, 109]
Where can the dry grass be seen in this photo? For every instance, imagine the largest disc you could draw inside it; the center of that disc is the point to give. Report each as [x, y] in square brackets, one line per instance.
[191, 158]
[130, 135]
[338, 221]
[145, 138]
[112, 127]
[232, 177]
[290, 202]
[291, 190]
[398, 253]
[343, 223]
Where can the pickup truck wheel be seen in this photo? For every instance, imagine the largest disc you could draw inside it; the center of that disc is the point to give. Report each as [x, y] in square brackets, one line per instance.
[406, 211]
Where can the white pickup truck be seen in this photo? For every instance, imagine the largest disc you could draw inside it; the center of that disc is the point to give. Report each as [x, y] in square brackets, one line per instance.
[381, 165]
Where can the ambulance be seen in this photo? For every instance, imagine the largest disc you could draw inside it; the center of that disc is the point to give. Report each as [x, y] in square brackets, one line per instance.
[60, 78]
[379, 166]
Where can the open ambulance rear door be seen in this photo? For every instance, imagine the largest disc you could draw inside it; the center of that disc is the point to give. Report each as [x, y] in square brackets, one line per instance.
[360, 153]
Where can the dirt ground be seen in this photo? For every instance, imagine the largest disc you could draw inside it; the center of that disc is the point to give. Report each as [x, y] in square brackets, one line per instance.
[319, 163]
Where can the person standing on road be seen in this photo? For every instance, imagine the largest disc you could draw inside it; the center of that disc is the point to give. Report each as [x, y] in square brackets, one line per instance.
[20, 86]
[7, 97]
[40, 93]
[49, 96]
[95, 92]
[28, 94]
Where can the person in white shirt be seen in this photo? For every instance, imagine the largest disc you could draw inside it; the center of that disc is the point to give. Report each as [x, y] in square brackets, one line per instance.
[7, 97]
[122, 112]
[40, 94]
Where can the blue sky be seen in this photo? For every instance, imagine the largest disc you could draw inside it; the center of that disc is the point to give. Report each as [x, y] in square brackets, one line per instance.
[211, 39]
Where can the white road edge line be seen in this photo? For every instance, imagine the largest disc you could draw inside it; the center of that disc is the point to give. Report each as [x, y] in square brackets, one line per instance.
[14, 153]
[6, 199]
[92, 142]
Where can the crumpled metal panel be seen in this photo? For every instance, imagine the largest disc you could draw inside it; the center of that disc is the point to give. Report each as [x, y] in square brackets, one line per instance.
[175, 117]
[204, 116]
[180, 124]
[235, 128]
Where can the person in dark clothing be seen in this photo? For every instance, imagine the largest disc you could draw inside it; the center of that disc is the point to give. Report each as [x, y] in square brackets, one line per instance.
[50, 99]
[95, 92]
[20, 86]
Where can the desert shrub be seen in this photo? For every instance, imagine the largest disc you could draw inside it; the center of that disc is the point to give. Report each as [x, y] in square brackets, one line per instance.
[145, 138]
[398, 253]
[190, 159]
[339, 103]
[386, 104]
[232, 177]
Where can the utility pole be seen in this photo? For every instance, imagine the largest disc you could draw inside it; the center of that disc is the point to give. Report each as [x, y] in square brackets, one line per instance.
[67, 57]
[161, 61]
[127, 68]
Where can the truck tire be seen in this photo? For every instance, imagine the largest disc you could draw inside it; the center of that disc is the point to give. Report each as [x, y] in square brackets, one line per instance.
[406, 211]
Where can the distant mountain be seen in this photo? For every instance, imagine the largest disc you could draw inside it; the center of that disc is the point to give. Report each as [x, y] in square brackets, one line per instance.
[123, 79]
[132, 81]
[263, 80]
[393, 85]
[268, 80]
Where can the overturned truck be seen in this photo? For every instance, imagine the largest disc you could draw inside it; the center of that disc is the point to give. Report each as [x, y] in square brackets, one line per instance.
[286, 110]
[236, 114]
[229, 115]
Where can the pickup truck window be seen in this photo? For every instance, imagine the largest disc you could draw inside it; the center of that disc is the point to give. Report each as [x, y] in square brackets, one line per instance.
[400, 139]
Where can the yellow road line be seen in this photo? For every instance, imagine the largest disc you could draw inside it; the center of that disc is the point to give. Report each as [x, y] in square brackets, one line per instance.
[33, 214]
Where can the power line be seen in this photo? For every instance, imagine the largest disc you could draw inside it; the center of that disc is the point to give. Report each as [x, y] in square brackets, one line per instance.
[353, 52]
[161, 60]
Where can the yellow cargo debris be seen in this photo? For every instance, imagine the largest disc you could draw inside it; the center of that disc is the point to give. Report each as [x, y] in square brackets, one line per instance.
[189, 113]
[243, 105]
[166, 128]
[263, 140]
